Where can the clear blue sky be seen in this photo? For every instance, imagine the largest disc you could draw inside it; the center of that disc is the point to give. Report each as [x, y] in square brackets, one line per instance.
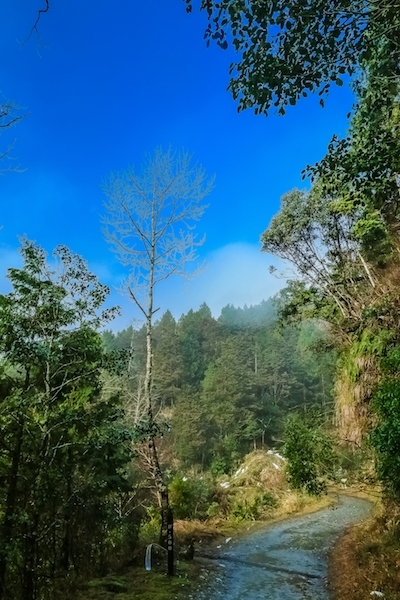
[110, 81]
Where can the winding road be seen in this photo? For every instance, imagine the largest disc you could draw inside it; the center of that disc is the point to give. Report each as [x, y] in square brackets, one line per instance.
[285, 561]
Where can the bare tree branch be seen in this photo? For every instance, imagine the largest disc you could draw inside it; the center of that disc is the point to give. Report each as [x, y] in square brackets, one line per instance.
[149, 223]
[40, 12]
[9, 116]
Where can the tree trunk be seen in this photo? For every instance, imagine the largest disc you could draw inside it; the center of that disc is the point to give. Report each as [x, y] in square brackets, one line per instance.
[6, 531]
[29, 575]
[66, 544]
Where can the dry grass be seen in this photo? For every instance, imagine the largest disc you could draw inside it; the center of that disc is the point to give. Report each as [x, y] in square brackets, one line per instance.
[262, 469]
[214, 530]
[366, 559]
[293, 502]
[353, 414]
[186, 531]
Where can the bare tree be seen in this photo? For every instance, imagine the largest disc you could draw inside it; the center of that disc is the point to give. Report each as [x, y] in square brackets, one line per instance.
[149, 225]
[9, 116]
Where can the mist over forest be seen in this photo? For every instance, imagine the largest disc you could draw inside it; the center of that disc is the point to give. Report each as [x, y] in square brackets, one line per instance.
[237, 377]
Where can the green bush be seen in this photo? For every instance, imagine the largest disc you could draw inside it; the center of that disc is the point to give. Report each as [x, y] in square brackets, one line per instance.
[190, 497]
[213, 510]
[385, 438]
[309, 453]
[219, 466]
[150, 529]
[252, 508]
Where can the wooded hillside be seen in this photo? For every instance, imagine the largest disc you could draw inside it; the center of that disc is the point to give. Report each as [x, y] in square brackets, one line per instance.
[223, 386]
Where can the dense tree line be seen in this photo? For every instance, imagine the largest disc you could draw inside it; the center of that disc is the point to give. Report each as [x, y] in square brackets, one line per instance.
[223, 386]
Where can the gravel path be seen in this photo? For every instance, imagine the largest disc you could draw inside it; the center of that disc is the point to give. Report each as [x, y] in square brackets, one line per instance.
[285, 561]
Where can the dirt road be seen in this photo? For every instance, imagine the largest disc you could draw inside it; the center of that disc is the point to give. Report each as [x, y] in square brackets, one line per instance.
[285, 561]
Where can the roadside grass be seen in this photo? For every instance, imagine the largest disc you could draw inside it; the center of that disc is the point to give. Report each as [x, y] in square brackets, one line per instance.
[256, 495]
[146, 585]
[135, 582]
[367, 559]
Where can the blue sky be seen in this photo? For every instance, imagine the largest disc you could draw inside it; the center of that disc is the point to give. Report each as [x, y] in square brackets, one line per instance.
[106, 84]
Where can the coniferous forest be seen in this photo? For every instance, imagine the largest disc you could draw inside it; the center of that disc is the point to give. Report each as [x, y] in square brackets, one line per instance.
[236, 378]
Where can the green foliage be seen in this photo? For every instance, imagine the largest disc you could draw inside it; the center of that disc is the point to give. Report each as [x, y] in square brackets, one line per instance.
[334, 280]
[370, 343]
[190, 437]
[232, 318]
[236, 377]
[213, 510]
[245, 375]
[287, 51]
[191, 496]
[199, 334]
[360, 171]
[168, 360]
[342, 237]
[150, 528]
[146, 585]
[385, 438]
[252, 508]
[219, 466]
[309, 453]
[64, 445]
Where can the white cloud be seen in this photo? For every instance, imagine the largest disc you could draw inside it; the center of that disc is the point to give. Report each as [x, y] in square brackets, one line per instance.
[237, 274]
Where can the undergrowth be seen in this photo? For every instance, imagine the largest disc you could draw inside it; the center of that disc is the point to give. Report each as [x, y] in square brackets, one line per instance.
[146, 585]
[367, 559]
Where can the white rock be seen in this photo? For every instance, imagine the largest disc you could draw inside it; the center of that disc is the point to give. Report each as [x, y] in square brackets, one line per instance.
[273, 453]
[279, 456]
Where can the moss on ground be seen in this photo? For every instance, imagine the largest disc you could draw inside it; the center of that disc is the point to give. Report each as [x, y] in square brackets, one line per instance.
[146, 585]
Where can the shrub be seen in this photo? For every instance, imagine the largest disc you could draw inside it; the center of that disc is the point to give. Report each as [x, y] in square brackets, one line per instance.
[252, 508]
[309, 453]
[219, 466]
[385, 438]
[190, 497]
